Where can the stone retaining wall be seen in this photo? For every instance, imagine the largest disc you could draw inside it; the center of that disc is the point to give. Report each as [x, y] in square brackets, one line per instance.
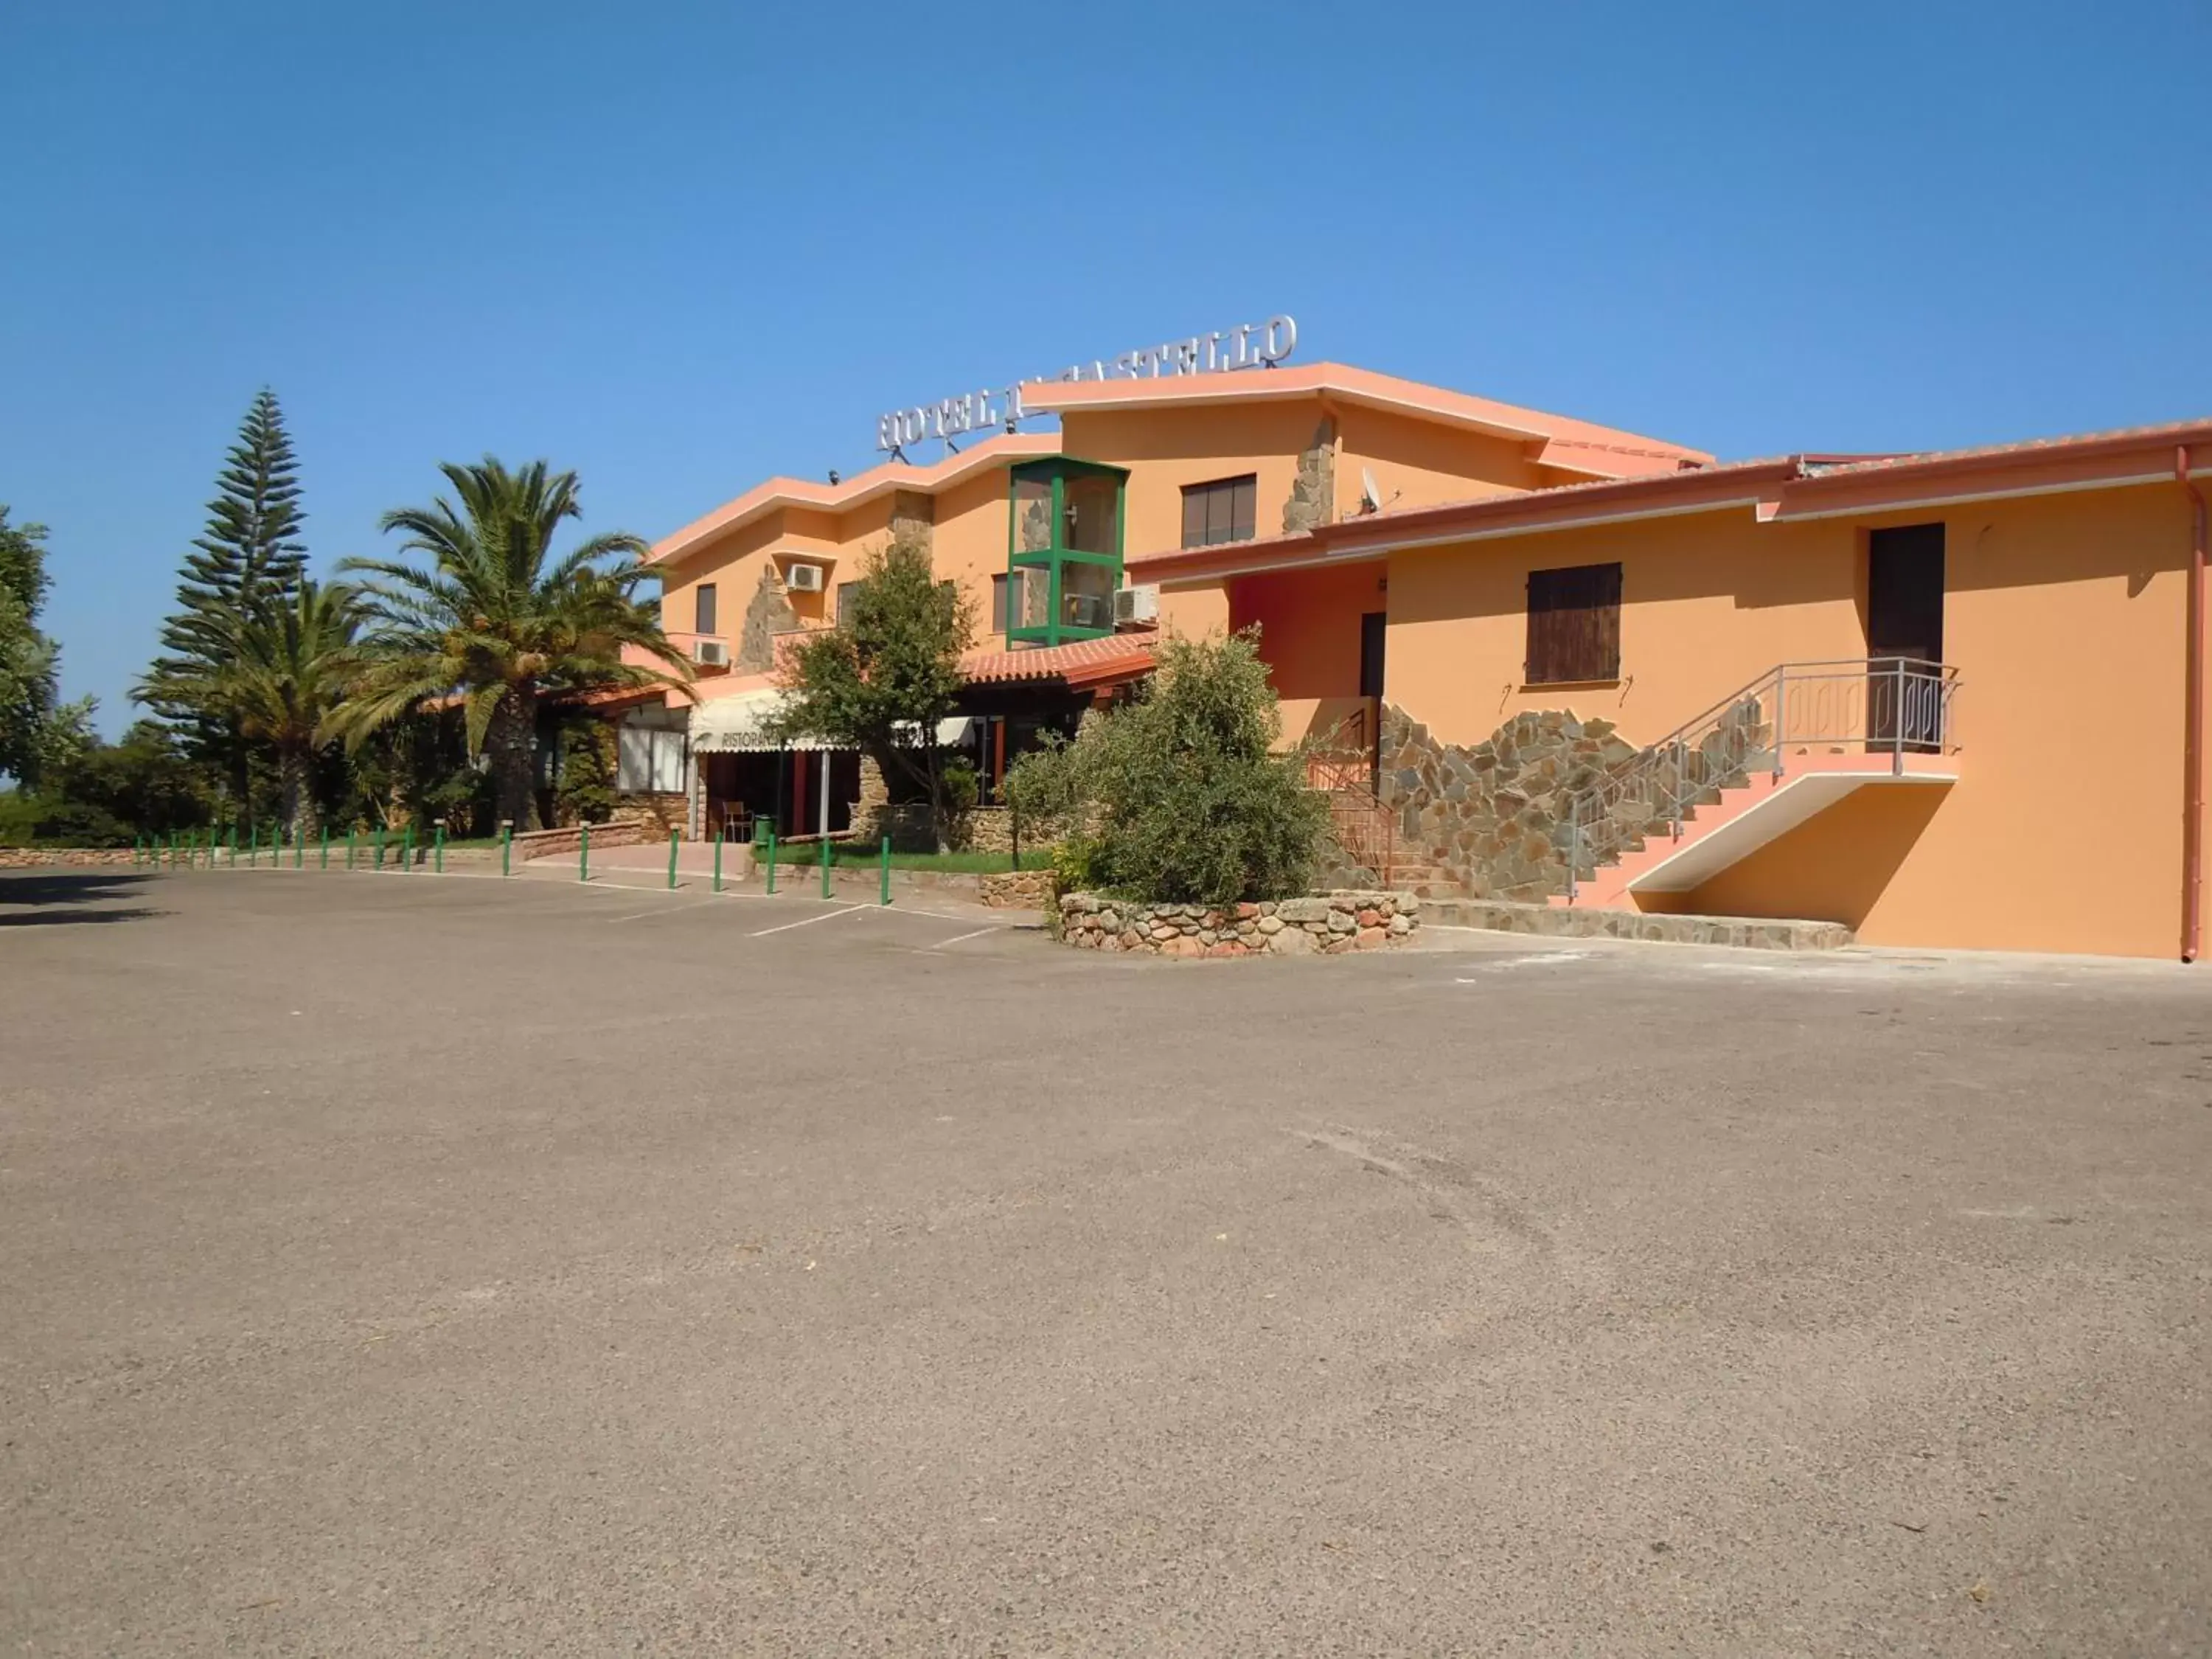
[43, 858]
[1563, 922]
[551, 843]
[1324, 924]
[1017, 889]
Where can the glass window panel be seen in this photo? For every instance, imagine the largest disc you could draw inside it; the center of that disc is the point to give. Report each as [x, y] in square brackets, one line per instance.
[1032, 592]
[1193, 517]
[1086, 595]
[1091, 504]
[999, 605]
[704, 621]
[1032, 514]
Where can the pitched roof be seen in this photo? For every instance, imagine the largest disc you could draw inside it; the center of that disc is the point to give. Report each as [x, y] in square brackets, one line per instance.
[1570, 445]
[1575, 446]
[1079, 663]
[1785, 487]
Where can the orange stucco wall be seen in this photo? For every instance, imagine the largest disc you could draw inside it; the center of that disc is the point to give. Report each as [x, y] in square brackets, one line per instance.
[1421, 464]
[1165, 449]
[1308, 623]
[2064, 616]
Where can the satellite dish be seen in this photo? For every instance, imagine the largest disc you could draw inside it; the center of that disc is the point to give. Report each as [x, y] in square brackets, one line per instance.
[1370, 493]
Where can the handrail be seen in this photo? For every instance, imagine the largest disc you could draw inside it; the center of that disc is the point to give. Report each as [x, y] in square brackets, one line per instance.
[1892, 705]
[1341, 766]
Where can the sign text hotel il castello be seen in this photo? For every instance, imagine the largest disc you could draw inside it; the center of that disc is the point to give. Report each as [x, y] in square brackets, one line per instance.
[1247, 345]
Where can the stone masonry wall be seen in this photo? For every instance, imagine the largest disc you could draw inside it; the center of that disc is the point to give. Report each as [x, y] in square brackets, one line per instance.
[551, 843]
[1017, 889]
[1329, 924]
[658, 813]
[1313, 490]
[914, 517]
[1493, 816]
[74, 858]
[766, 614]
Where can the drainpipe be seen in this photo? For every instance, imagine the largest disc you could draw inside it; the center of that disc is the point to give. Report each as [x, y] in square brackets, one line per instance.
[2192, 823]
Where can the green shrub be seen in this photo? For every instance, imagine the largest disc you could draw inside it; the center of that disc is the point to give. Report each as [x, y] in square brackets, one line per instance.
[1183, 801]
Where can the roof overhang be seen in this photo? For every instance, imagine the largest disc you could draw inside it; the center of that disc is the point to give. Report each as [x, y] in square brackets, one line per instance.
[779, 494]
[1790, 488]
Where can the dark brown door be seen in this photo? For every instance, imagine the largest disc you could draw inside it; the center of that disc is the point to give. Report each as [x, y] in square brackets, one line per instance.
[1905, 634]
[1374, 628]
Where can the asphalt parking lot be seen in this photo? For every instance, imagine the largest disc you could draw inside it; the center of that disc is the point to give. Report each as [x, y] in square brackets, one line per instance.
[403, 1264]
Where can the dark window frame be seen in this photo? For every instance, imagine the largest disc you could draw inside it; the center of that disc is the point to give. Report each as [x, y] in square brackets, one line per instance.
[1220, 511]
[843, 602]
[706, 610]
[999, 587]
[1574, 625]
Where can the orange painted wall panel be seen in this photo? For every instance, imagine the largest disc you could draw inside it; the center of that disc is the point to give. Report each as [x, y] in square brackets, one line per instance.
[1420, 464]
[2064, 615]
[1166, 449]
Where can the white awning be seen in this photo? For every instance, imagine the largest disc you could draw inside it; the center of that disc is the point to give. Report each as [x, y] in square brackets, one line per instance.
[725, 725]
[735, 724]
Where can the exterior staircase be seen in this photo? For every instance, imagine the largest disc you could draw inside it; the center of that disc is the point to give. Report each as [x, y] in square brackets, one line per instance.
[1754, 766]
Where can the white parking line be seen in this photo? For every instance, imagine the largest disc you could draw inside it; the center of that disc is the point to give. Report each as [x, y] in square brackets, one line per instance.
[663, 910]
[962, 939]
[808, 922]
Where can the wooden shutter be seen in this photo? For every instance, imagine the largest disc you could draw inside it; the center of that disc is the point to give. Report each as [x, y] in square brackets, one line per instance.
[1574, 624]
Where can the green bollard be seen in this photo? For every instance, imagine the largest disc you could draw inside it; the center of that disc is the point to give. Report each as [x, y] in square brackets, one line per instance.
[233, 844]
[885, 854]
[353, 834]
[675, 840]
[506, 846]
[407, 849]
[380, 846]
[719, 840]
[439, 866]
[584, 852]
[825, 863]
[771, 861]
[299, 846]
[326, 846]
[172, 849]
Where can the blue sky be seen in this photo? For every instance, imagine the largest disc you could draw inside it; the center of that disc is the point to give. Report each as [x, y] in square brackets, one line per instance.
[680, 248]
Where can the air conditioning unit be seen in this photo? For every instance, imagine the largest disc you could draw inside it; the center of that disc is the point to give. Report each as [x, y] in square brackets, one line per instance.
[1137, 605]
[804, 579]
[1088, 610]
[710, 653]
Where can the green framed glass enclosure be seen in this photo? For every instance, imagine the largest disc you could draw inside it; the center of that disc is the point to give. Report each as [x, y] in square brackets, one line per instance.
[1063, 550]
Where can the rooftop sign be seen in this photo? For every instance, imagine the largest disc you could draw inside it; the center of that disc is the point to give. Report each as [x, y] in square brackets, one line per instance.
[1247, 345]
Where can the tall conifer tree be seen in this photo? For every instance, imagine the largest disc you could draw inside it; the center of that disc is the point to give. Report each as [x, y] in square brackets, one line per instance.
[250, 558]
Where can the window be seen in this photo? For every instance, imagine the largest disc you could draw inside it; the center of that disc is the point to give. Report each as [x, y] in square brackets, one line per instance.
[703, 616]
[648, 761]
[1063, 550]
[845, 592]
[1574, 624]
[1219, 511]
[998, 603]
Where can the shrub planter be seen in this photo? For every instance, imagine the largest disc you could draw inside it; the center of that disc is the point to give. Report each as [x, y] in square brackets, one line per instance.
[1325, 924]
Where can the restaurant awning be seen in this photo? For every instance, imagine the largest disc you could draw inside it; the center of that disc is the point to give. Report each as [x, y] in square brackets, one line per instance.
[736, 724]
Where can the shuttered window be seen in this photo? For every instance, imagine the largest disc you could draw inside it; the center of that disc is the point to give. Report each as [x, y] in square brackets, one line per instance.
[1574, 624]
[1221, 511]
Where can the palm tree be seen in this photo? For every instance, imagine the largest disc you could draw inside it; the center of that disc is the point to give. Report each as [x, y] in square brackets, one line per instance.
[496, 621]
[292, 659]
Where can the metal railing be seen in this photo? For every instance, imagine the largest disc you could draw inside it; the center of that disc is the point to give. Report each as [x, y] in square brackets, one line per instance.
[1341, 765]
[1888, 706]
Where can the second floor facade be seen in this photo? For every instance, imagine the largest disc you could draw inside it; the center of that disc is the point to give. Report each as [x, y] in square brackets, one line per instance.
[1039, 528]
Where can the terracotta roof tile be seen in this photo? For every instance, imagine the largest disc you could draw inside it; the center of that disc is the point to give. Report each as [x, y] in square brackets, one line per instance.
[1082, 661]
